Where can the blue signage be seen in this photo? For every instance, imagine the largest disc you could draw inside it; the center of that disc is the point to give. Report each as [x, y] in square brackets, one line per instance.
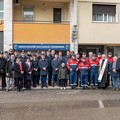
[41, 46]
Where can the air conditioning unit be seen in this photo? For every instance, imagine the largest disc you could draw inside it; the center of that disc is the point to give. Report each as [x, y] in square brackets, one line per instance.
[16, 2]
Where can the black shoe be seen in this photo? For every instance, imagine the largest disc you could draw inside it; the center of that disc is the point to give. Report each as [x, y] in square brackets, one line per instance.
[83, 88]
[86, 88]
[72, 87]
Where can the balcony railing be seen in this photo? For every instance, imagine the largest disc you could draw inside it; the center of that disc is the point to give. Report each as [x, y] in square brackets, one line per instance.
[30, 21]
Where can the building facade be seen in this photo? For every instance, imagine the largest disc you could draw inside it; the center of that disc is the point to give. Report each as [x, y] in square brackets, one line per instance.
[78, 25]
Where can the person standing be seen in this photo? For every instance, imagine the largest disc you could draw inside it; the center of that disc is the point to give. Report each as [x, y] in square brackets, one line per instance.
[49, 59]
[103, 72]
[115, 73]
[94, 69]
[67, 57]
[84, 56]
[99, 57]
[10, 72]
[19, 73]
[63, 76]
[2, 70]
[84, 73]
[35, 64]
[72, 66]
[61, 58]
[110, 59]
[43, 64]
[28, 73]
[55, 68]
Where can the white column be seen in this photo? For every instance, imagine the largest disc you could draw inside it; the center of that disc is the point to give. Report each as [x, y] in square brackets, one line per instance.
[73, 21]
[71, 25]
[76, 23]
[7, 24]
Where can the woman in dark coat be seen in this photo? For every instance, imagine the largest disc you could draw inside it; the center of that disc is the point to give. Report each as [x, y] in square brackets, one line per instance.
[19, 73]
[35, 64]
[28, 73]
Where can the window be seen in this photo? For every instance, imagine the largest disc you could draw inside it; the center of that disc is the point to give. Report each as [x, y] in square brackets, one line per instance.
[104, 13]
[1, 9]
[16, 2]
[28, 14]
[57, 13]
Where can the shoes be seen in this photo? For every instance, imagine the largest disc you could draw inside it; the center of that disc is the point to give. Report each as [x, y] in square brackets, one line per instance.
[113, 89]
[61, 88]
[83, 88]
[7, 90]
[117, 89]
[64, 88]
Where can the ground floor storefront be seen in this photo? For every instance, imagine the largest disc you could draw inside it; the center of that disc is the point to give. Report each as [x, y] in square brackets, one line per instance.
[100, 48]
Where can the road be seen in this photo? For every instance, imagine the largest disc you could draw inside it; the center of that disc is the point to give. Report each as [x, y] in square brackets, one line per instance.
[55, 104]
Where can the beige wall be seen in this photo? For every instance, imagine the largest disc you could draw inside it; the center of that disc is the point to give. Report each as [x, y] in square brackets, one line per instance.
[96, 33]
[42, 12]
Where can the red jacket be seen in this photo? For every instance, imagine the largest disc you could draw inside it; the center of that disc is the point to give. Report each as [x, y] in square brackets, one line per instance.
[87, 59]
[82, 65]
[94, 63]
[110, 59]
[72, 64]
[98, 59]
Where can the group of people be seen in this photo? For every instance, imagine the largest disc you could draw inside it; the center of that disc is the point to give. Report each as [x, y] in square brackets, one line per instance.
[50, 68]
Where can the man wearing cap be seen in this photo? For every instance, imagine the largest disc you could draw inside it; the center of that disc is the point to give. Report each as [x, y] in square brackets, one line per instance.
[110, 59]
[43, 65]
[84, 73]
[94, 68]
[99, 57]
[85, 57]
[72, 66]
[2, 69]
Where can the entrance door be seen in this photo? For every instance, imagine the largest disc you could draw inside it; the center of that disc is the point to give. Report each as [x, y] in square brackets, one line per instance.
[1, 41]
[57, 13]
[92, 50]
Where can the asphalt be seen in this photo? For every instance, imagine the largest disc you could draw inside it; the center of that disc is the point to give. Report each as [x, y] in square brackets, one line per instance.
[55, 104]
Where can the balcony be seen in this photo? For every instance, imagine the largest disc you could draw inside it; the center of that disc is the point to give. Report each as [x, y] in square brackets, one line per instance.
[41, 32]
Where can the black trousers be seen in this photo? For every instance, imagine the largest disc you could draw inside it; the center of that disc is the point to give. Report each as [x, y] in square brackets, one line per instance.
[49, 77]
[63, 82]
[3, 80]
[35, 79]
[27, 84]
[19, 82]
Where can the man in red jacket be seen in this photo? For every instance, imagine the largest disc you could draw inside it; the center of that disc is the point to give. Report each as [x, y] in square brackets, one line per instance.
[84, 73]
[99, 57]
[110, 59]
[72, 66]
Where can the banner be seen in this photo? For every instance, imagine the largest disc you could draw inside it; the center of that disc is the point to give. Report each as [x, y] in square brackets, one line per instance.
[41, 46]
